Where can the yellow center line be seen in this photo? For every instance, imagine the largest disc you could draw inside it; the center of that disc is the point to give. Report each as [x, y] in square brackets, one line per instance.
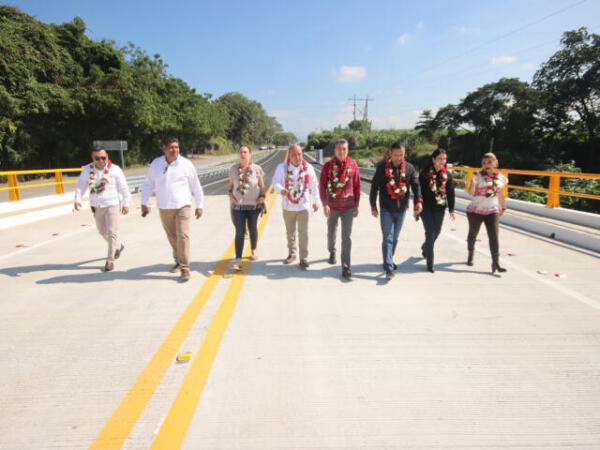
[180, 415]
[125, 417]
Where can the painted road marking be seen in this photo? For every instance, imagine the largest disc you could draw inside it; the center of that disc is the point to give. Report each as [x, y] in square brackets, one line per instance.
[125, 417]
[175, 426]
[123, 420]
[533, 275]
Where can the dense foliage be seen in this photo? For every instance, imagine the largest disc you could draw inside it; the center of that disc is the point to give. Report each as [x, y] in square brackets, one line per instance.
[552, 123]
[554, 119]
[60, 90]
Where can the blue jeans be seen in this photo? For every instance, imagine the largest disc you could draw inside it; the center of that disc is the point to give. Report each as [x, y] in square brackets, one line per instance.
[240, 219]
[432, 222]
[391, 224]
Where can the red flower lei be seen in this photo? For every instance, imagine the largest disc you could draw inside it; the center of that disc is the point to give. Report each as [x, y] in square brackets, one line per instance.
[295, 195]
[437, 184]
[337, 177]
[98, 189]
[491, 182]
[244, 179]
[396, 188]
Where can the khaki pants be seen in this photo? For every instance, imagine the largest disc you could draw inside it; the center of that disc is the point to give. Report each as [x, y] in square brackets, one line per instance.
[291, 218]
[176, 223]
[107, 223]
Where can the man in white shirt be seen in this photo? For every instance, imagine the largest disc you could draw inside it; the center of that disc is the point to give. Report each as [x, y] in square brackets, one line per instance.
[174, 180]
[105, 182]
[295, 179]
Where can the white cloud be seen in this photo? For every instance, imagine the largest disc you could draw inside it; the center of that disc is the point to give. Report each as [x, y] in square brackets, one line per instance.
[420, 26]
[401, 40]
[350, 74]
[503, 60]
[528, 66]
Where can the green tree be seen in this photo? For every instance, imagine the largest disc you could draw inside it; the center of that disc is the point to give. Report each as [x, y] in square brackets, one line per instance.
[284, 138]
[570, 82]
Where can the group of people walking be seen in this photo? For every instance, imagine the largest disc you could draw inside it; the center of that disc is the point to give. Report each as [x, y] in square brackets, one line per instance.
[174, 181]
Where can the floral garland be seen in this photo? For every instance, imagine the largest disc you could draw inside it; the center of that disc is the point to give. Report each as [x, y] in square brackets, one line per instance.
[337, 177]
[244, 179]
[396, 188]
[94, 189]
[437, 185]
[491, 182]
[294, 195]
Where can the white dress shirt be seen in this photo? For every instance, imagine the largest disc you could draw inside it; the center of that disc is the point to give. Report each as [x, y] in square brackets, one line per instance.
[172, 183]
[313, 188]
[117, 184]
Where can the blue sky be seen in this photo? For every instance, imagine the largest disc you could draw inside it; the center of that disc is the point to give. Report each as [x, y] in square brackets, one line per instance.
[303, 60]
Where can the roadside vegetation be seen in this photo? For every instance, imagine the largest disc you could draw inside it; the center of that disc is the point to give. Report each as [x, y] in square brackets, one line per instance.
[552, 123]
[60, 90]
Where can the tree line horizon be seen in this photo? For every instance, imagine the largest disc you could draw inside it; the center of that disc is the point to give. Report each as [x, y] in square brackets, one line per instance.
[60, 90]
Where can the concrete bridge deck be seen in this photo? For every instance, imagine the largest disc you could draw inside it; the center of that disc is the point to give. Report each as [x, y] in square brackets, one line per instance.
[283, 358]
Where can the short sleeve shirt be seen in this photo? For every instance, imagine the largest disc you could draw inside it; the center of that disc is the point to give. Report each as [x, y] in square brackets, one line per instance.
[250, 197]
[481, 203]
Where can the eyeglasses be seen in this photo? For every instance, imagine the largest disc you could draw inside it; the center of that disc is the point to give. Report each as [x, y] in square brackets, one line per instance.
[98, 158]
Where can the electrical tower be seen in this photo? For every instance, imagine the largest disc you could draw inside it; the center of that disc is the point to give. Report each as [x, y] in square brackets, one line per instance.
[365, 114]
[353, 100]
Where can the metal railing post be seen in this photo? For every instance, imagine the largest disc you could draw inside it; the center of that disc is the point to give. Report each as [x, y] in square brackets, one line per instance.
[60, 188]
[505, 190]
[468, 178]
[554, 192]
[13, 194]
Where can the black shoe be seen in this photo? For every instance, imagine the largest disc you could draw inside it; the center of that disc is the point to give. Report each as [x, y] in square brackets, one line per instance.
[332, 259]
[389, 274]
[303, 264]
[346, 274]
[470, 258]
[430, 269]
[496, 267]
[394, 266]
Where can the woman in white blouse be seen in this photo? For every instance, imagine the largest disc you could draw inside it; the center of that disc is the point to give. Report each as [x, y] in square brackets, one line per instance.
[247, 198]
[487, 206]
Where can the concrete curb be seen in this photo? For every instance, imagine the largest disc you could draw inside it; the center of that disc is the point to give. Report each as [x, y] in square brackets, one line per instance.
[554, 231]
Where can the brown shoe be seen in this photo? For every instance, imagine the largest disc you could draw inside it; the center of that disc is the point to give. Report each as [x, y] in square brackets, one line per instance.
[108, 266]
[185, 275]
[237, 265]
[253, 257]
[119, 251]
[176, 268]
[290, 259]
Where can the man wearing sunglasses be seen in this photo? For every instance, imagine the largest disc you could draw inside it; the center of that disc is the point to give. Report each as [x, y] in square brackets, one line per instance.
[105, 182]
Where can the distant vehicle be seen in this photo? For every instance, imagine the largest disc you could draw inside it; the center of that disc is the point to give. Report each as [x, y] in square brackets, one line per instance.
[271, 147]
[262, 147]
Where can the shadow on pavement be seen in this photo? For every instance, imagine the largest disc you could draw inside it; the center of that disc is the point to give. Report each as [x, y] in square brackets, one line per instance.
[18, 271]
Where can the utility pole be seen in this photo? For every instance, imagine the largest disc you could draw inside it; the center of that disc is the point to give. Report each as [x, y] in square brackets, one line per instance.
[365, 112]
[366, 119]
[353, 99]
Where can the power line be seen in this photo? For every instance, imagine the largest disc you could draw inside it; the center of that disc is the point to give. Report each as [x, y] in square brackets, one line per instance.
[505, 35]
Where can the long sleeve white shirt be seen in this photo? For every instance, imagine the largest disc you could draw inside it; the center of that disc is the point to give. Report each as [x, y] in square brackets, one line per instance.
[116, 184]
[313, 188]
[174, 184]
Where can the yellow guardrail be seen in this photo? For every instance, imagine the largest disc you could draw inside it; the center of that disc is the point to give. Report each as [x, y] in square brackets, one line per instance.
[553, 189]
[13, 182]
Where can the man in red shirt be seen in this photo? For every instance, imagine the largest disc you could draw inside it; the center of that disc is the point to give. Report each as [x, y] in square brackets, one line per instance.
[340, 194]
